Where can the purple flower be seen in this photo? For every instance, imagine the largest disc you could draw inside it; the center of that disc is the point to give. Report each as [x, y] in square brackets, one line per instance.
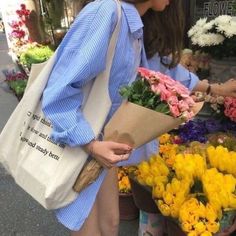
[213, 125]
[193, 131]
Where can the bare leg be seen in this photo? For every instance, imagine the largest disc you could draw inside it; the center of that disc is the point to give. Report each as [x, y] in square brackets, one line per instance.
[90, 226]
[108, 205]
[103, 220]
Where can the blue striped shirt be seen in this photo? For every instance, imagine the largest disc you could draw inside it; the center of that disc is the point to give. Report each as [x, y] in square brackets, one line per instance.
[81, 57]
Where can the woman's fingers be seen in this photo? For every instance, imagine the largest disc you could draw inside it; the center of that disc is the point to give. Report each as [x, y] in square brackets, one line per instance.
[109, 153]
[119, 146]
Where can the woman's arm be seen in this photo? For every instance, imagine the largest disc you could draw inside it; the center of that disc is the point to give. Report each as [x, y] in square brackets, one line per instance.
[224, 89]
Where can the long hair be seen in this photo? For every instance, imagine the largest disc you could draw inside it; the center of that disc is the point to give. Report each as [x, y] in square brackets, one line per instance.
[163, 31]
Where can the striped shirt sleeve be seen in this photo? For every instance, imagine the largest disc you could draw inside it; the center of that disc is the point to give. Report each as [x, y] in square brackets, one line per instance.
[79, 61]
[179, 73]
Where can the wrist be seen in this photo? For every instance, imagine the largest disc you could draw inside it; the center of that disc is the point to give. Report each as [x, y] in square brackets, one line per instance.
[216, 89]
[89, 147]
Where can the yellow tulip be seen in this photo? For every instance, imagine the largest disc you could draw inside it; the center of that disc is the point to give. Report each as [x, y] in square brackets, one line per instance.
[186, 226]
[164, 208]
[164, 138]
[206, 233]
[149, 181]
[158, 190]
[232, 201]
[192, 233]
[200, 227]
[174, 211]
[213, 227]
[167, 197]
[160, 179]
[164, 170]
[144, 167]
[152, 159]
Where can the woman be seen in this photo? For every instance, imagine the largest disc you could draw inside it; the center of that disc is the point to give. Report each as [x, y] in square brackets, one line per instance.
[167, 40]
[81, 57]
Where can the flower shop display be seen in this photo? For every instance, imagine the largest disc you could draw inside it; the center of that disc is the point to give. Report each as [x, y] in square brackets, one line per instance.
[19, 35]
[153, 98]
[218, 38]
[34, 54]
[24, 52]
[127, 207]
[17, 81]
[196, 62]
[188, 189]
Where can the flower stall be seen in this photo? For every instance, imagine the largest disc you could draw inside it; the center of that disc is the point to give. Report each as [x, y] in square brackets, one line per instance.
[185, 181]
[24, 51]
[217, 37]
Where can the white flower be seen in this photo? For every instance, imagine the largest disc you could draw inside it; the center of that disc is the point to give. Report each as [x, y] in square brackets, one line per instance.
[208, 26]
[207, 39]
[224, 25]
[206, 34]
[198, 28]
[222, 20]
[201, 22]
[230, 30]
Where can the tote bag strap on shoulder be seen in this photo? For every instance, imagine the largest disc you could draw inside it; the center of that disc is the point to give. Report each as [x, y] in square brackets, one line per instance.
[100, 88]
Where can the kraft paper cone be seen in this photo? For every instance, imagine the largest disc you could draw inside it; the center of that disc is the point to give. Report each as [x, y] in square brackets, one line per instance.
[136, 125]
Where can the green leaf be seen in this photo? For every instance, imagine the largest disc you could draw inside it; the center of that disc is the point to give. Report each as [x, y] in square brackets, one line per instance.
[163, 108]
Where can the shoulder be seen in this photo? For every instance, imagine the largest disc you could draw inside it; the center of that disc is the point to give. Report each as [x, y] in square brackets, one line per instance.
[99, 10]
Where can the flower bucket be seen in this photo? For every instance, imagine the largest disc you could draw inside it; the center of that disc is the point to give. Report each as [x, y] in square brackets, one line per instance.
[143, 197]
[127, 207]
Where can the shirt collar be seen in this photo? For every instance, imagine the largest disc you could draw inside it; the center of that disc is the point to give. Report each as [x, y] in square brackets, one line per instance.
[133, 18]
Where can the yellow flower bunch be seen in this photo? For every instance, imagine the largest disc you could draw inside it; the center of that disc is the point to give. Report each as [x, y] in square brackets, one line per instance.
[198, 219]
[152, 172]
[167, 149]
[123, 179]
[164, 138]
[222, 159]
[172, 197]
[189, 166]
[178, 186]
[219, 197]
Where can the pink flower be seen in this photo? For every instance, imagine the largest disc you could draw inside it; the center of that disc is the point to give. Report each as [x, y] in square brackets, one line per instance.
[144, 72]
[173, 100]
[183, 106]
[173, 92]
[175, 111]
[230, 108]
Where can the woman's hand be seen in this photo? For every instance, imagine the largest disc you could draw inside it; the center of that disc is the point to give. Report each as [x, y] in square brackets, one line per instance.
[108, 153]
[226, 89]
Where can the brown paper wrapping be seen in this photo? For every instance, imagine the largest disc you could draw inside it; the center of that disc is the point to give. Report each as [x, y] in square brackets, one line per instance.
[134, 125]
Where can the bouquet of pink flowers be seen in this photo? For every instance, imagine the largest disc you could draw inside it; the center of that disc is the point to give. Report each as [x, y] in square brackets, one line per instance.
[155, 104]
[230, 108]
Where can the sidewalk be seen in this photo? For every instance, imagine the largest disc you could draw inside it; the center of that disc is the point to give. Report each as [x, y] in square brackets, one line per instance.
[20, 215]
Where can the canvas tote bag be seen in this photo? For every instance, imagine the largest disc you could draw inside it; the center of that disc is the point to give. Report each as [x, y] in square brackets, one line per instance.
[45, 169]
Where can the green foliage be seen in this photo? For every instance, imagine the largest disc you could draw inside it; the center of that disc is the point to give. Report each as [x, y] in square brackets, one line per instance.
[227, 219]
[140, 93]
[18, 86]
[34, 55]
